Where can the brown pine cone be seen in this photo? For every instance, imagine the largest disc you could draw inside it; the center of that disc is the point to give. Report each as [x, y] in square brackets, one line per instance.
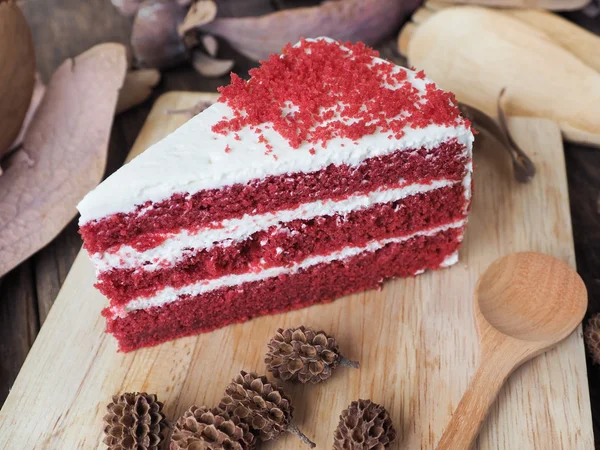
[261, 405]
[592, 337]
[210, 429]
[134, 421]
[304, 355]
[364, 426]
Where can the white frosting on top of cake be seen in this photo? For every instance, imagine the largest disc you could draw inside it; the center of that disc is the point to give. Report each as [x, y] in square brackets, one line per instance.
[194, 158]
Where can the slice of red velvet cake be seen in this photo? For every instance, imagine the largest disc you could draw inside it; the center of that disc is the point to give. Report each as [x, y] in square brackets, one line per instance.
[326, 173]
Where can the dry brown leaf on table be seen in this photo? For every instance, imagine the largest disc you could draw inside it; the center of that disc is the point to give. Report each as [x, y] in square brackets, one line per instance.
[210, 67]
[542, 79]
[579, 41]
[127, 7]
[346, 20]
[17, 72]
[523, 168]
[200, 12]
[154, 37]
[136, 88]
[39, 89]
[210, 44]
[209, 98]
[63, 154]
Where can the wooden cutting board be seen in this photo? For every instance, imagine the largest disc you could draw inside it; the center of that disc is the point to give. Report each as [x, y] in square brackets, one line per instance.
[415, 338]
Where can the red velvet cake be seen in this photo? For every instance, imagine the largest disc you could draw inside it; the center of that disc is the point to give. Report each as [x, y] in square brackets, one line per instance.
[326, 173]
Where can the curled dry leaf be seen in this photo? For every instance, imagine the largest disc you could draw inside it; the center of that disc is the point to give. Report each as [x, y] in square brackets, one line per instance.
[67, 143]
[579, 41]
[523, 167]
[542, 78]
[210, 67]
[200, 12]
[38, 93]
[137, 88]
[17, 72]
[208, 98]
[210, 44]
[154, 37]
[127, 7]
[346, 20]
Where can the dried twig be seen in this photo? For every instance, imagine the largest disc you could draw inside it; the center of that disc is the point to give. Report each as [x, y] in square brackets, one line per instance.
[524, 169]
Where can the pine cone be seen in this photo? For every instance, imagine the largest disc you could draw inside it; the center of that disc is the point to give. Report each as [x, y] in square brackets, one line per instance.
[261, 405]
[134, 421]
[592, 337]
[302, 354]
[364, 426]
[210, 429]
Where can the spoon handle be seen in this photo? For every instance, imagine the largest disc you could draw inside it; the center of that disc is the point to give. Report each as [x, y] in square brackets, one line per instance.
[473, 407]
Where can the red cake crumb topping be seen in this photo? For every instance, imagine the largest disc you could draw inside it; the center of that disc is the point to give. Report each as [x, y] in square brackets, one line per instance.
[319, 80]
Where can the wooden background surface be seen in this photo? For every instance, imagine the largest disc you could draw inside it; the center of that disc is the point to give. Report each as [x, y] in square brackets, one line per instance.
[65, 28]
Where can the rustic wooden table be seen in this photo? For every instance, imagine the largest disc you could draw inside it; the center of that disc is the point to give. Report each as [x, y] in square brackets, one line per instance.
[65, 28]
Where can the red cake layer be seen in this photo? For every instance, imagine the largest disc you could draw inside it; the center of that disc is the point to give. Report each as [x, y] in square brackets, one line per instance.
[320, 283]
[273, 193]
[299, 239]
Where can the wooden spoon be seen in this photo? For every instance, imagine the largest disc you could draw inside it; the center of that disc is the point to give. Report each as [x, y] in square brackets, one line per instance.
[525, 303]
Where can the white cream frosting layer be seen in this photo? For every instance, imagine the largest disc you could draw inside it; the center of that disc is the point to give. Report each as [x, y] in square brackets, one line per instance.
[170, 294]
[178, 246]
[193, 158]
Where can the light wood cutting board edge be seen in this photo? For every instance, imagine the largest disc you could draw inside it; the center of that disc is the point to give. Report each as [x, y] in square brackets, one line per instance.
[54, 402]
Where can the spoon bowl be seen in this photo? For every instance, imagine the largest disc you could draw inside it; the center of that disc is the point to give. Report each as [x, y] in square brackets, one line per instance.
[531, 296]
[524, 304]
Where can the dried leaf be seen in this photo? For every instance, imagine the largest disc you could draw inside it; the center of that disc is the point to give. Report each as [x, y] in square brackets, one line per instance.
[154, 36]
[524, 169]
[210, 44]
[543, 79]
[66, 144]
[200, 13]
[17, 72]
[209, 99]
[127, 7]
[522, 165]
[38, 93]
[346, 20]
[137, 88]
[211, 67]
[582, 43]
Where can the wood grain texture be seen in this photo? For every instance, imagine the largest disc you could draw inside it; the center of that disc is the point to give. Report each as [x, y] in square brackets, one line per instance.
[524, 304]
[415, 339]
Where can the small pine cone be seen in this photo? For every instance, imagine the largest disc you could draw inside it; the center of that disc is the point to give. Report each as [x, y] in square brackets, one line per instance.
[261, 405]
[304, 355]
[592, 337]
[210, 429]
[364, 426]
[134, 421]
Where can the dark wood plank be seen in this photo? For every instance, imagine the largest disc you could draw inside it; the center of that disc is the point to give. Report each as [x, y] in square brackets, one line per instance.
[65, 28]
[18, 323]
[51, 266]
[583, 169]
